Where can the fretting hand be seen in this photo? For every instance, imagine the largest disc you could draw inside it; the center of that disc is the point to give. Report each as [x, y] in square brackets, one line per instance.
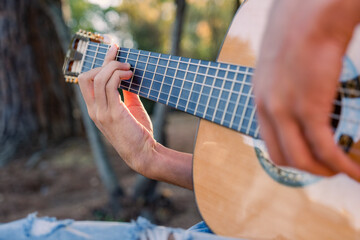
[127, 125]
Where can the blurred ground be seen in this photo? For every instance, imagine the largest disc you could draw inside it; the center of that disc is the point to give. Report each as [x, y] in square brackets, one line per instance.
[65, 183]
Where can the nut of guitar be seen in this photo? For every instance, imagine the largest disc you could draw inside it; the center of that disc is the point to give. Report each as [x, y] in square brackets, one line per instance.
[74, 57]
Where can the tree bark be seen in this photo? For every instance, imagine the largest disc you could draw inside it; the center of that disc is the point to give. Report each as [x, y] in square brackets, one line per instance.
[35, 104]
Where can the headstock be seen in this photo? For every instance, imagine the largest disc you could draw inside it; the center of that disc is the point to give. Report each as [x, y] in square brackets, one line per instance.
[74, 56]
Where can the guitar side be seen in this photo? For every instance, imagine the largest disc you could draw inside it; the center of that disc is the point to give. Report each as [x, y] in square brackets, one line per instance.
[236, 197]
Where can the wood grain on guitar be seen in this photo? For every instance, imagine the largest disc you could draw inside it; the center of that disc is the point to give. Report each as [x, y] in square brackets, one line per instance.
[240, 193]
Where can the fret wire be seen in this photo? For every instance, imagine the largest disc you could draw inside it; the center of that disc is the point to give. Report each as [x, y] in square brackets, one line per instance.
[192, 82]
[245, 108]
[127, 57]
[256, 134]
[237, 101]
[173, 82]
[252, 116]
[211, 91]
[201, 91]
[143, 75]
[163, 79]
[192, 86]
[228, 98]
[97, 51]
[216, 73]
[201, 87]
[153, 80]
[220, 93]
[136, 63]
[216, 68]
[119, 51]
[180, 92]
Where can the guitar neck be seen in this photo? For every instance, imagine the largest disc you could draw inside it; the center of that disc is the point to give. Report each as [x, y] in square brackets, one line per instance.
[218, 92]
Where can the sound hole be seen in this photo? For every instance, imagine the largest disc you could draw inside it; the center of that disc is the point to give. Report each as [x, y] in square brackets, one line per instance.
[286, 176]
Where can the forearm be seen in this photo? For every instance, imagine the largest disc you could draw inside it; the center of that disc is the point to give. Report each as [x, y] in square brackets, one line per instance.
[171, 166]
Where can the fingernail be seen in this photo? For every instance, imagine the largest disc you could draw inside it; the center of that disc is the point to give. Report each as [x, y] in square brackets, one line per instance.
[112, 48]
[130, 76]
[129, 65]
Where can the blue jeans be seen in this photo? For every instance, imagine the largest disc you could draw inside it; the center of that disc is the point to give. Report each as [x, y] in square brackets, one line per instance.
[34, 228]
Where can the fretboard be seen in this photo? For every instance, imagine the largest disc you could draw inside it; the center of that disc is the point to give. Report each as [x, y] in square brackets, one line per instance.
[218, 92]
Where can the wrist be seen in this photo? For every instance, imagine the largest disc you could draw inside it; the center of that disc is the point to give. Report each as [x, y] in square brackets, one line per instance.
[329, 21]
[170, 166]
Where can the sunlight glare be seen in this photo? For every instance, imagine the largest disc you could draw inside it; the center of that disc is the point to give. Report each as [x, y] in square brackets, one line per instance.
[106, 3]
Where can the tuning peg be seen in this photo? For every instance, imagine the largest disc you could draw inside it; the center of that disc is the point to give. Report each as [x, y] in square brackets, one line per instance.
[71, 79]
[74, 80]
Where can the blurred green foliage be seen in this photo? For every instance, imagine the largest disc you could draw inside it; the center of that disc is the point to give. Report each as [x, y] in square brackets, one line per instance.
[147, 24]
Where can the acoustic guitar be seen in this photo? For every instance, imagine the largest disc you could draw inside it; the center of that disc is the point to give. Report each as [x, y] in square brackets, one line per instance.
[239, 191]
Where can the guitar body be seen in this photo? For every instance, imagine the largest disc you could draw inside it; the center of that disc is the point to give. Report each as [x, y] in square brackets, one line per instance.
[236, 188]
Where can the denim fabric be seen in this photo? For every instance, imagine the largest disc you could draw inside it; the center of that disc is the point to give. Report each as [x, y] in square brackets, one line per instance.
[34, 228]
[200, 227]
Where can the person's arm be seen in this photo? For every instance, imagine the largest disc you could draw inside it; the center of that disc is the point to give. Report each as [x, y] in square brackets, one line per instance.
[127, 126]
[296, 80]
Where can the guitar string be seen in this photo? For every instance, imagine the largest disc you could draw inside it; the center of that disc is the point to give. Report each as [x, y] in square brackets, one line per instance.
[336, 102]
[249, 107]
[230, 80]
[335, 116]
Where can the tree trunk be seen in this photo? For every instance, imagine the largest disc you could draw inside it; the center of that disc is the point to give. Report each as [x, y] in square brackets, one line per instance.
[237, 4]
[35, 104]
